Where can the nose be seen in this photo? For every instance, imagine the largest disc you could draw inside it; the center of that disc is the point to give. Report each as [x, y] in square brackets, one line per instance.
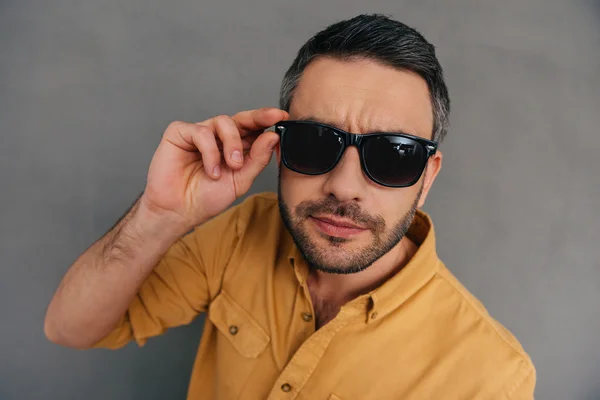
[346, 181]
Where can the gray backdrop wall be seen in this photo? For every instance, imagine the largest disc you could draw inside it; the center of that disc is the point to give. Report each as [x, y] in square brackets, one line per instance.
[87, 88]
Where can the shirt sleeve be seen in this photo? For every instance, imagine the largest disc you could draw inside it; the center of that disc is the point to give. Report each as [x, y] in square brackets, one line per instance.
[181, 285]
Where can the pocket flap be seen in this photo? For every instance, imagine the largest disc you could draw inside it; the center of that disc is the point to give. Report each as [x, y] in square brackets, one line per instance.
[244, 333]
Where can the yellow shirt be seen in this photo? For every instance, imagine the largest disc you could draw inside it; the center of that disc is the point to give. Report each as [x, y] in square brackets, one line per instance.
[421, 335]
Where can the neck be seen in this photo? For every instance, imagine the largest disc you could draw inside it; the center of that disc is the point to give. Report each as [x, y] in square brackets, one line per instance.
[339, 289]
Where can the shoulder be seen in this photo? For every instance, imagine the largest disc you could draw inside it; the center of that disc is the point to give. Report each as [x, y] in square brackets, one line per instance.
[250, 227]
[475, 309]
[258, 210]
[239, 227]
[493, 352]
[237, 219]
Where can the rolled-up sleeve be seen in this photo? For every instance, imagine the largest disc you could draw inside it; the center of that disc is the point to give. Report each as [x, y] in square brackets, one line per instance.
[181, 285]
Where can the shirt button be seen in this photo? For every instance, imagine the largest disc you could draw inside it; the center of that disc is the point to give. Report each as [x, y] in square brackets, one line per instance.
[233, 329]
[374, 315]
[286, 387]
[307, 316]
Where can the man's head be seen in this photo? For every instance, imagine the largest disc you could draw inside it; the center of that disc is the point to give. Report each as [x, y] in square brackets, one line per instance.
[364, 75]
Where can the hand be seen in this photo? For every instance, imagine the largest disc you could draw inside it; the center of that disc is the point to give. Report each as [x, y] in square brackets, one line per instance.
[200, 169]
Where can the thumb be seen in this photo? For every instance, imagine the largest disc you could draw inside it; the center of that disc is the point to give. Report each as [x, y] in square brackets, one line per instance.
[257, 160]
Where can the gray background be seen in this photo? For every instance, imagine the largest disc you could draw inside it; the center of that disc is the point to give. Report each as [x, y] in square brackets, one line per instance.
[87, 88]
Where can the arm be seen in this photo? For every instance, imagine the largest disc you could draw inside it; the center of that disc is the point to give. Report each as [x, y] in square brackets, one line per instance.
[98, 288]
[141, 265]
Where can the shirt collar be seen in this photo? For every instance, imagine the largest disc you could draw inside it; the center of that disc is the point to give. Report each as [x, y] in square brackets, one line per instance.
[415, 274]
[396, 290]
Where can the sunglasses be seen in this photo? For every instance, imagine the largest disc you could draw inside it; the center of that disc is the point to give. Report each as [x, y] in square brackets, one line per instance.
[389, 159]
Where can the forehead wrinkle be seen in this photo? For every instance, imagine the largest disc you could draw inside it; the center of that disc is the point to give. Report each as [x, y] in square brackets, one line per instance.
[343, 125]
[366, 110]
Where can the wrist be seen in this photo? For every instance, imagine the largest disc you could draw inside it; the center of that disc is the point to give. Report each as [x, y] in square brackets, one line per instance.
[157, 226]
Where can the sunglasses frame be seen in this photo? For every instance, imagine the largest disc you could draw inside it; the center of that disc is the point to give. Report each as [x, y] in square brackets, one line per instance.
[357, 140]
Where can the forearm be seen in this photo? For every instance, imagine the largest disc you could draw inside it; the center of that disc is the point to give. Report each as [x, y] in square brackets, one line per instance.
[100, 285]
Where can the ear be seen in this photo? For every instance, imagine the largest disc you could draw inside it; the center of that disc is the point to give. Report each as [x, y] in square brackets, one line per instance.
[434, 164]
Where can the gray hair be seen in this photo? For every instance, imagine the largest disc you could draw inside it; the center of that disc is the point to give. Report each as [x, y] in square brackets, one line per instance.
[376, 37]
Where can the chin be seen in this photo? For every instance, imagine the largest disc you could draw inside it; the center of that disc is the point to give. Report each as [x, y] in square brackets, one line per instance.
[334, 256]
[338, 266]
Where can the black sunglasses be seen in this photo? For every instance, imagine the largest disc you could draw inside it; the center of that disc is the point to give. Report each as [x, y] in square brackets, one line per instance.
[389, 159]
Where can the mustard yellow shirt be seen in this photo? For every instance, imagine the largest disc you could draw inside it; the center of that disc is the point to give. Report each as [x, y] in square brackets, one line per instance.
[419, 336]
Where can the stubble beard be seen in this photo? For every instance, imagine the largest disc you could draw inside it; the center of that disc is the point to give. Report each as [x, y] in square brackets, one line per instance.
[346, 261]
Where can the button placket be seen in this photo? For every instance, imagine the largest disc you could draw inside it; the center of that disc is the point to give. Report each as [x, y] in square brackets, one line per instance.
[303, 363]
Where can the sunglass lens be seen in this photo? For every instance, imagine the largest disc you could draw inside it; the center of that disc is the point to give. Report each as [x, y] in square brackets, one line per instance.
[310, 149]
[393, 160]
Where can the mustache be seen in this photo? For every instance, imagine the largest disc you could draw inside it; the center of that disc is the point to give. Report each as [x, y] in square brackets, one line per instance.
[352, 211]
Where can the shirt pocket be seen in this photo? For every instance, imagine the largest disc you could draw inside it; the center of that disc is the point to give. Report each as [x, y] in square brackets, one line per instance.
[334, 397]
[238, 326]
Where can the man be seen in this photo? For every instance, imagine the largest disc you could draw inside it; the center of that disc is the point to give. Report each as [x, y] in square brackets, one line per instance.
[330, 289]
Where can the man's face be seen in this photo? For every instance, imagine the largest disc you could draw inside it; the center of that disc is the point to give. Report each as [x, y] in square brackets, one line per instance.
[360, 96]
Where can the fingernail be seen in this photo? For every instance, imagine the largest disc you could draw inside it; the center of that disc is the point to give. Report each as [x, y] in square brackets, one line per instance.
[236, 156]
[273, 144]
[217, 171]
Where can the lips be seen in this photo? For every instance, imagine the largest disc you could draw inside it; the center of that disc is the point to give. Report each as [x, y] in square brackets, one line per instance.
[336, 227]
[339, 222]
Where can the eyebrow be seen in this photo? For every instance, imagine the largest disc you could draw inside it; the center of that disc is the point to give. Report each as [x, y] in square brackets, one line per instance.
[338, 126]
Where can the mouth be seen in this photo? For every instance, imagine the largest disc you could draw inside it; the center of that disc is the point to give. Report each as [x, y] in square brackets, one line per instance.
[336, 227]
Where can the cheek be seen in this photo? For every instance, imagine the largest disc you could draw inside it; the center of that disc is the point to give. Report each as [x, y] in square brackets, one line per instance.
[395, 203]
[296, 188]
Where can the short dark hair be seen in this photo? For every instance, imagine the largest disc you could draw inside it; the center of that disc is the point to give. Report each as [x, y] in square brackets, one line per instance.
[380, 38]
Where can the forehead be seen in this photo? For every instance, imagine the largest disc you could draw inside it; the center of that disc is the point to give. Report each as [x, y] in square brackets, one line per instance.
[363, 96]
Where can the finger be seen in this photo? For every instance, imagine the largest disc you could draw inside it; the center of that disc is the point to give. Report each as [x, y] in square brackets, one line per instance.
[195, 138]
[180, 134]
[256, 161]
[256, 121]
[247, 142]
[204, 140]
[229, 135]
